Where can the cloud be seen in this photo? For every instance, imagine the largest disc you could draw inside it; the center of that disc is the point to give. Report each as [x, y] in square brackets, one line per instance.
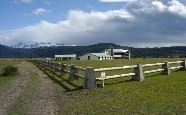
[40, 11]
[46, 2]
[26, 1]
[23, 1]
[117, 0]
[140, 24]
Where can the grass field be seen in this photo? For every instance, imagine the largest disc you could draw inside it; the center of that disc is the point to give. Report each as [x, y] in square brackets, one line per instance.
[157, 94]
[4, 80]
[118, 63]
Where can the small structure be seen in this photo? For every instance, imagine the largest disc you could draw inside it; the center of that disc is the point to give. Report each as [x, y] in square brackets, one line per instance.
[65, 57]
[118, 53]
[96, 56]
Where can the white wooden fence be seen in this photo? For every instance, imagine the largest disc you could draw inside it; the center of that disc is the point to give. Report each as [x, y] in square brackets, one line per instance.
[64, 68]
[90, 72]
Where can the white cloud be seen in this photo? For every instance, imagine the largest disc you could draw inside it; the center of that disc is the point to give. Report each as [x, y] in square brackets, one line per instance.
[23, 1]
[159, 5]
[40, 11]
[177, 8]
[26, 1]
[140, 24]
[46, 2]
[117, 0]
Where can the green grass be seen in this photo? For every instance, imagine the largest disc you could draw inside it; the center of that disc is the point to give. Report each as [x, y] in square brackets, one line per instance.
[116, 63]
[120, 63]
[157, 94]
[10, 71]
[23, 103]
[3, 64]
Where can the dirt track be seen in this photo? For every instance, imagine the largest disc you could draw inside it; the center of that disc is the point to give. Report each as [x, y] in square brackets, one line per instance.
[33, 93]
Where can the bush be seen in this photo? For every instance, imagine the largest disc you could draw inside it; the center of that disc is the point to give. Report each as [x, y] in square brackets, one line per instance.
[10, 70]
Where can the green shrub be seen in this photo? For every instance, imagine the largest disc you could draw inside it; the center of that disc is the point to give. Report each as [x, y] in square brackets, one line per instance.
[10, 70]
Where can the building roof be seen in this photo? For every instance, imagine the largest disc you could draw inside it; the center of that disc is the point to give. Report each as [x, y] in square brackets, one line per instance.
[100, 55]
[66, 56]
[119, 50]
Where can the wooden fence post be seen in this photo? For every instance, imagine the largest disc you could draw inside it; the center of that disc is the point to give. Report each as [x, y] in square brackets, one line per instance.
[90, 78]
[166, 68]
[41, 62]
[57, 66]
[72, 75]
[53, 66]
[183, 64]
[50, 64]
[139, 73]
[62, 68]
[44, 63]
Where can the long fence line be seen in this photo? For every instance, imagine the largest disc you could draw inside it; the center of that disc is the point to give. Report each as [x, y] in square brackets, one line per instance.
[89, 76]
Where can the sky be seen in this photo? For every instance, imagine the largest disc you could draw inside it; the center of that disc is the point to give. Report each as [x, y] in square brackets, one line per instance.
[137, 23]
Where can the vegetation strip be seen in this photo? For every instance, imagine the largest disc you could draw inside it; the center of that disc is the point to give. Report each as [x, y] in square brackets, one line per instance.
[90, 72]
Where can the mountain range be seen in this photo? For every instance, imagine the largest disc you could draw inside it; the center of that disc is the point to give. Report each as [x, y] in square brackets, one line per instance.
[37, 45]
[45, 51]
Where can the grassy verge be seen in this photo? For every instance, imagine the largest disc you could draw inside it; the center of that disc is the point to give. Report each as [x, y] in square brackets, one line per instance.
[158, 94]
[4, 80]
[23, 103]
[119, 62]
[62, 79]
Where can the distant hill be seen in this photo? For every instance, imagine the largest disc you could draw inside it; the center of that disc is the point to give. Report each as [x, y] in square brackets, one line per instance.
[176, 51]
[6, 51]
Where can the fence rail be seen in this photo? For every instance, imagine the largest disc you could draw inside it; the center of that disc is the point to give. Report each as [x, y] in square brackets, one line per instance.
[115, 68]
[116, 76]
[90, 72]
[150, 65]
[153, 71]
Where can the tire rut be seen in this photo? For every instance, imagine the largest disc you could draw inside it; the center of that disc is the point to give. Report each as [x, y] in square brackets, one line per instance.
[32, 93]
[46, 98]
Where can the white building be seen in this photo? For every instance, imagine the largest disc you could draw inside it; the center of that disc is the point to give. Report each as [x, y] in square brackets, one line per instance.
[65, 57]
[118, 53]
[96, 56]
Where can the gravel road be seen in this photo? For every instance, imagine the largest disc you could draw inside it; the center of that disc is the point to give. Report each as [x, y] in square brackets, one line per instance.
[32, 93]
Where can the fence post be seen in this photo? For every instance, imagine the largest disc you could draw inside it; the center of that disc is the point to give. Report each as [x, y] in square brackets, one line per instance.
[166, 68]
[90, 78]
[44, 63]
[58, 66]
[62, 68]
[139, 73]
[54, 66]
[183, 64]
[50, 63]
[72, 75]
[41, 62]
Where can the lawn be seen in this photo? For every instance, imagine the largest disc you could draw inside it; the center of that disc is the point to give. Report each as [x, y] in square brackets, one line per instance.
[157, 94]
[119, 62]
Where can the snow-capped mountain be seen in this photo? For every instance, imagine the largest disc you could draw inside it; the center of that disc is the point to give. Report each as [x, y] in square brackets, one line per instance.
[37, 45]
